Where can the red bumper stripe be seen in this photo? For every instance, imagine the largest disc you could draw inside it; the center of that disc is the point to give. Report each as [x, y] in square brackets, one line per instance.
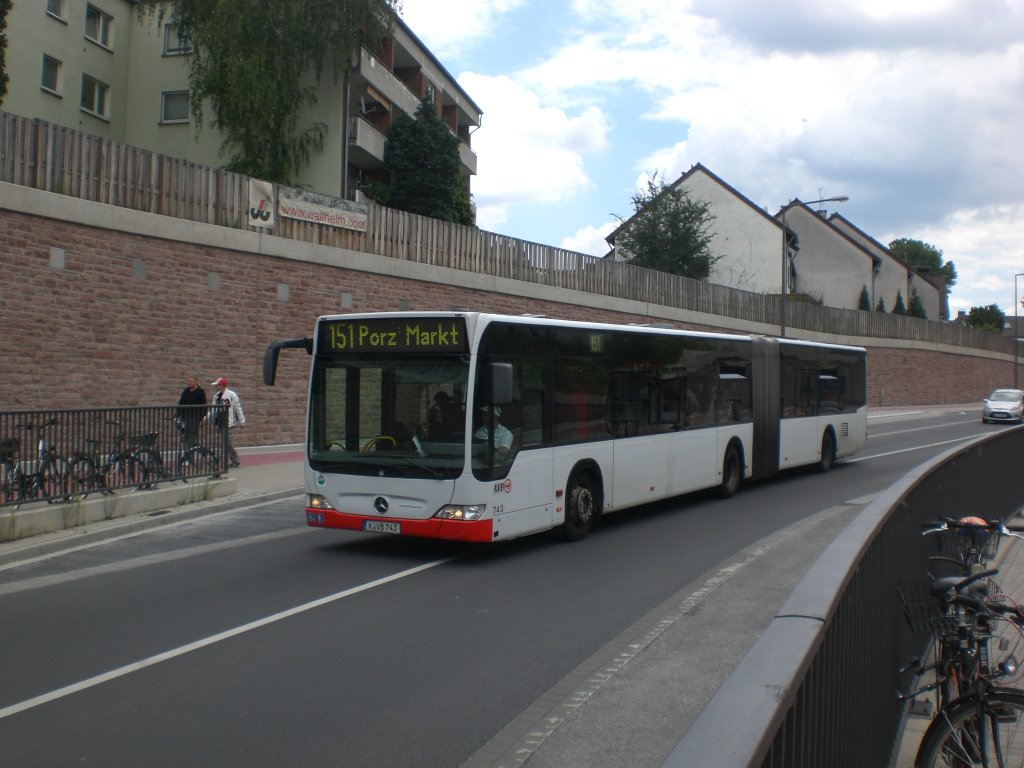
[434, 528]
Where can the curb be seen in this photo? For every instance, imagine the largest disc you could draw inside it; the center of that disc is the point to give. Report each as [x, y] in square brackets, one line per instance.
[151, 510]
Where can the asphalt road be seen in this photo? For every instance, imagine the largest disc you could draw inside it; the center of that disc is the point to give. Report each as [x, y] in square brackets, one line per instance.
[246, 639]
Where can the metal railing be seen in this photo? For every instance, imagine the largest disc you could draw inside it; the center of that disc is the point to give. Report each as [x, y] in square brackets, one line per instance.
[819, 688]
[66, 455]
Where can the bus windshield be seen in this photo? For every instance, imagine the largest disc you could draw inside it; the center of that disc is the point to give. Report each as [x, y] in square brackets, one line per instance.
[389, 416]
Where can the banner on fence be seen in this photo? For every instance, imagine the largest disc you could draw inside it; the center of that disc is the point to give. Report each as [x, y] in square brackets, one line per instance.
[261, 203]
[321, 209]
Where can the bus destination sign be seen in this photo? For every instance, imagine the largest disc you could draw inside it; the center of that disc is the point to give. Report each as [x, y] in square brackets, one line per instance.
[389, 334]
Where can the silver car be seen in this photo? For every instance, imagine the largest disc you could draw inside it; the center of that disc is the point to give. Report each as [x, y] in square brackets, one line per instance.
[1003, 405]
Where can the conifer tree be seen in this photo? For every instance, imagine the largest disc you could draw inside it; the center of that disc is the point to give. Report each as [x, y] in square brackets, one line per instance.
[916, 306]
[864, 302]
[422, 158]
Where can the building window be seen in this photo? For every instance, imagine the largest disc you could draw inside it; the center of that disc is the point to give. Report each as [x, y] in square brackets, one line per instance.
[95, 97]
[173, 46]
[174, 107]
[51, 75]
[55, 8]
[98, 25]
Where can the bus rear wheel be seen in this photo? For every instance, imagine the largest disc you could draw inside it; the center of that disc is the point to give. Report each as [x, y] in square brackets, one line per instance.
[580, 508]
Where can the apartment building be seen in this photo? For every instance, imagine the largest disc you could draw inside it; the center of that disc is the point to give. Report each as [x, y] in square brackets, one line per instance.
[103, 67]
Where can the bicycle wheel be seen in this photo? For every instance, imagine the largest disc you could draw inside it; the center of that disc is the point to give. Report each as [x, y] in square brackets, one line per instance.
[55, 480]
[11, 486]
[154, 464]
[198, 461]
[82, 472]
[127, 472]
[971, 734]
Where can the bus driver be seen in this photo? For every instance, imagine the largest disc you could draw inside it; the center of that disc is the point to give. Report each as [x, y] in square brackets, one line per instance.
[502, 435]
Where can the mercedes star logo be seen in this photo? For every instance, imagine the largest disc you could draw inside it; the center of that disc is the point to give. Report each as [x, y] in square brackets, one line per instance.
[381, 505]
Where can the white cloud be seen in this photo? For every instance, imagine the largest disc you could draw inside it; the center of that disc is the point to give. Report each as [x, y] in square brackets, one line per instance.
[589, 240]
[915, 110]
[528, 153]
[450, 26]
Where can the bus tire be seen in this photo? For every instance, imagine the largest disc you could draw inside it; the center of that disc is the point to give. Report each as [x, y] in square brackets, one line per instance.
[828, 452]
[732, 473]
[581, 507]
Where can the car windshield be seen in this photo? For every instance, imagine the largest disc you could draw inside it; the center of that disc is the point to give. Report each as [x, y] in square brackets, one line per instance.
[1005, 396]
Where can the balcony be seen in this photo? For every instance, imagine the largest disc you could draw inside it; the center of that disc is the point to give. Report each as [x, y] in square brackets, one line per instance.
[366, 144]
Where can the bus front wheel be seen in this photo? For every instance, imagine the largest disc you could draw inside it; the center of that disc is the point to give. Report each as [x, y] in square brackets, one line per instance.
[732, 474]
[828, 452]
[580, 508]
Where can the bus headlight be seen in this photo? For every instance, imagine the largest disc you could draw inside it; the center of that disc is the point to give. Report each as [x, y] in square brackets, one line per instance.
[461, 511]
[319, 502]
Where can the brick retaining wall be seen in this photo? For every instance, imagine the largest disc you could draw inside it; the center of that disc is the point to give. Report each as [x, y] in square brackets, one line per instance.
[127, 316]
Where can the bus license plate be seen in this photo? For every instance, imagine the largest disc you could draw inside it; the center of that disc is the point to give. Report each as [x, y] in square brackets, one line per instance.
[381, 526]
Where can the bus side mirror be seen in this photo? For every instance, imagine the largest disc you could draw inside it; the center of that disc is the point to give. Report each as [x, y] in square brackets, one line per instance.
[501, 383]
[270, 356]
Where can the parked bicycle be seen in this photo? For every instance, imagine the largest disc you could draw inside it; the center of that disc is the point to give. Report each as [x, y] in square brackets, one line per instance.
[145, 448]
[194, 458]
[93, 471]
[976, 716]
[46, 478]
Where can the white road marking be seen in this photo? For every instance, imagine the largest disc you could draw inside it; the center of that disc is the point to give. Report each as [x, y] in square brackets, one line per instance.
[212, 639]
[908, 450]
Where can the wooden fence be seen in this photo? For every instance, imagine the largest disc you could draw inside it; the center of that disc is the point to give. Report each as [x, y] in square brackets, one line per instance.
[42, 155]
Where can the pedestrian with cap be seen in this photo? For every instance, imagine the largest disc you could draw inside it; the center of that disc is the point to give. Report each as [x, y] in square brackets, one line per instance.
[227, 418]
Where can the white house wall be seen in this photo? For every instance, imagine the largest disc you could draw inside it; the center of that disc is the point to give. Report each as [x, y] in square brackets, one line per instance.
[748, 245]
[828, 267]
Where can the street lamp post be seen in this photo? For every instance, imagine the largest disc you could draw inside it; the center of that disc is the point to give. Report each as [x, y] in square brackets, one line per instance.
[1016, 334]
[785, 255]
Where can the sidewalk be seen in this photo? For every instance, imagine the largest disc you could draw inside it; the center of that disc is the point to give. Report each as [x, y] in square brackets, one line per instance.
[266, 473]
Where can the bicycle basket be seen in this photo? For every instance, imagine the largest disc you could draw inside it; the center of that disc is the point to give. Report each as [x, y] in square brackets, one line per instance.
[9, 448]
[924, 612]
[147, 440]
[978, 543]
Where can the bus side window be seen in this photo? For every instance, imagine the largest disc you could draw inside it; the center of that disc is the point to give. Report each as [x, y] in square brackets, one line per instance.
[533, 417]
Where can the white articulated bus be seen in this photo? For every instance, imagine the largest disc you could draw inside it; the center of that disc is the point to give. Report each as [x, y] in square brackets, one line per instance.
[594, 418]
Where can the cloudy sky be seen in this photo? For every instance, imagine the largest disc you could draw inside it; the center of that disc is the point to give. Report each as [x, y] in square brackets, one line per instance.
[914, 109]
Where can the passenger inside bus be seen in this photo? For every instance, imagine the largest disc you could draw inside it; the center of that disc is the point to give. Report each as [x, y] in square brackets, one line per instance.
[444, 418]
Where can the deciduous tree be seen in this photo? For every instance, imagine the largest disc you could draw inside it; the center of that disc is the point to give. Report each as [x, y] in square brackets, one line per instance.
[990, 318]
[918, 253]
[5, 7]
[256, 65]
[670, 231]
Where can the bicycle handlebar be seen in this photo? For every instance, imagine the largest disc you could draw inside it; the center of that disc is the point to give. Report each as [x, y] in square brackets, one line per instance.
[991, 526]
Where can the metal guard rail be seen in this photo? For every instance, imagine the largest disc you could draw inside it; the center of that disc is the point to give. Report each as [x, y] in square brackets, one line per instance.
[819, 687]
[55, 442]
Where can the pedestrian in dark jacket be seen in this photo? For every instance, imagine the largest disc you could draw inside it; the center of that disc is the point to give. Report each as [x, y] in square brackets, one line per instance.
[191, 395]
